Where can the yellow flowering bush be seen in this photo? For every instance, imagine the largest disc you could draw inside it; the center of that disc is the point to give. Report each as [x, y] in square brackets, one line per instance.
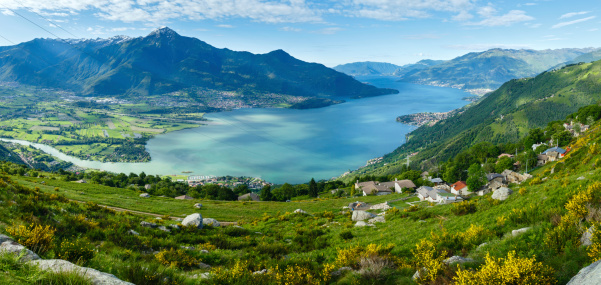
[35, 237]
[576, 206]
[352, 255]
[428, 261]
[474, 235]
[176, 258]
[298, 275]
[510, 270]
[78, 251]
[522, 191]
[501, 221]
[594, 250]
[412, 208]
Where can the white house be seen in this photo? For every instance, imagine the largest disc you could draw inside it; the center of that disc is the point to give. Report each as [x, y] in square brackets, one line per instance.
[399, 185]
[460, 188]
[433, 195]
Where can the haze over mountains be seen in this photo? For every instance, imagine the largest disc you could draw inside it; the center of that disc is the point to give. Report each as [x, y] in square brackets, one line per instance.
[477, 70]
[163, 62]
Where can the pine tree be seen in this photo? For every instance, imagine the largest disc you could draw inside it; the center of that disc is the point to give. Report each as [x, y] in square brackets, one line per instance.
[313, 192]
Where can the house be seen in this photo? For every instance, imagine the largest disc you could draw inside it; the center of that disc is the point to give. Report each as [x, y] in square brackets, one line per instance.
[542, 159]
[436, 181]
[536, 145]
[184, 197]
[555, 153]
[249, 197]
[373, 188]
[460, 188]
[433, 195]
[483, 191]
[398, 185]
[495, 177]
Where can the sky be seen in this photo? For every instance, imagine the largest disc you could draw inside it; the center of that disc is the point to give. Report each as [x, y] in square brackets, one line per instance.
[330, 32]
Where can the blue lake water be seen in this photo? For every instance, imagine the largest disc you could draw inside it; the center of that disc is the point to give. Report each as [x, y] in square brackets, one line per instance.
[284, 145]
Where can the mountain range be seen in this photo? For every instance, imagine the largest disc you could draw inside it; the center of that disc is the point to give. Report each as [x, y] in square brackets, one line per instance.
[165, 61]
[383, 68]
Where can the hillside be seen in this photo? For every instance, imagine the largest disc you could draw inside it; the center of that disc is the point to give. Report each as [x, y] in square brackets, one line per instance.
[491, 68]
[367, 68]
[504, 116]
[164, 62]
[586, 58]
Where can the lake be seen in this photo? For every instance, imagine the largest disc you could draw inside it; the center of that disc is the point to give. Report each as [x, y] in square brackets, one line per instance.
[285, 145]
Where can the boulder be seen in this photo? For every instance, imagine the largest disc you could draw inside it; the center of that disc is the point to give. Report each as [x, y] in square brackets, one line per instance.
[10, 246]
[581, 178]
[193, 220]
[362, 215]
[299, 211]
[261, 271]
[204, 266]
[502, 193]
[148, 225]
[519, 231]
[132, 232]
[589, 275]
[457, 259]
[378, 219]
[174, 226]
[144, 195]
[198, 205]
[340, 271]
[360, 224]
[382, 206]
[165, 229]
[585, 240]
[97, 277]
[211, 222]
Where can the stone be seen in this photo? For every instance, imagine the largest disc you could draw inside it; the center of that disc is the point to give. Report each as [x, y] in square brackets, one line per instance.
[193, 220]
[10, 246]
[502, 193]
[382, 206]
[148, 225]
[340, 271]
[210, 222]
[165, 229]
[581, 178]
[174, 226]
[204, 251]
[198, 205]
[97, 277]
[132, 232]
[4, 238]
[589, 275]
[144, 195]
[378, 219]
[362, 215]
[417, 275]
[204, 266]
[205, 275]
[519, 231]
[299, 211]
[360, 224]
[457, 259]
[585, 240]
[261, 271]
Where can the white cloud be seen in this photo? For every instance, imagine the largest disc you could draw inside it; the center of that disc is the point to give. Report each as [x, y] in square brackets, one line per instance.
[463, 16]
[328, 31]
[493, 20]
[289, 29]
[570, 15]
[563, 24]
[396, 10]
[7, 12]
[483, 47]
[225, 26]
[533, 26]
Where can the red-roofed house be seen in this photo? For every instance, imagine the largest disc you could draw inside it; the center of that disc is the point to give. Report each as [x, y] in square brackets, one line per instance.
[460, 188]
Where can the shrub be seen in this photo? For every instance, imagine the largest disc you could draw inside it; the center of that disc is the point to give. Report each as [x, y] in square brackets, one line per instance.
[176, 258]
[412, 208]
[35, 237]
[272, 249]
[78, 251]
[558, 237]
[309, 240]
[463, 208]
[346, 235]
[150, 274]
[429, 261]
[510, 270]
[522, 191]
[351, 256]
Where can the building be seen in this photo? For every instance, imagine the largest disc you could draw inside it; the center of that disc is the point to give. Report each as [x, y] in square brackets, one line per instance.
[436, 181]
[555, 153]
[399, 185]
[373, 188]
[434, 195]
[460, 188]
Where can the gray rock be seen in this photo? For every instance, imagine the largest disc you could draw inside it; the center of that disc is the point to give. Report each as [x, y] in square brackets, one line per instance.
[502, 193]
[165, 229]
[10, 246]
[210, 222]
[97, 277]
[144, 195]
[193, 220]
[261, 271]
[205, 275]
[148, 225]
[589, 275]
[519, 231]
[581, 178]
[299, 211]
[204, 266]
[585, 240]
[4, 238]
[362, 215]
[174, 226]
[360, 224]
[417, 275]
[378, 219]
[204, 251]
[340, 271]
[198, 205]
[132, 232]
[457, 259]
[187, 247]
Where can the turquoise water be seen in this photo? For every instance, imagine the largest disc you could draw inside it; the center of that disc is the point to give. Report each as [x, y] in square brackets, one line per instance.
[283, 145]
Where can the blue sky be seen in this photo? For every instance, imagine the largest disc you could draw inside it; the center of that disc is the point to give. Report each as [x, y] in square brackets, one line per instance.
[329, 32]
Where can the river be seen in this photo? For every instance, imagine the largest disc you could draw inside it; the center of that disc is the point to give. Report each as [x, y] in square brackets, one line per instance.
[285, 145]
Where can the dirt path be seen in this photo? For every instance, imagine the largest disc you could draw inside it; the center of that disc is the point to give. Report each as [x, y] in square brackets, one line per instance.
[223, 224]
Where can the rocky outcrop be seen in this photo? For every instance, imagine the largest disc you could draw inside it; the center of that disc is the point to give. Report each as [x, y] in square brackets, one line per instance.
[10, 246]
[585, 239]
[148, 225]
[457, 259]
[300, 211]
[144, 195]
[198, 205]
[362, 215]
[210, 222]
[589, 275]
[519, 231]
[97, 277]
[382, 206]
[193, 220]
[502, 193]
[378, 219]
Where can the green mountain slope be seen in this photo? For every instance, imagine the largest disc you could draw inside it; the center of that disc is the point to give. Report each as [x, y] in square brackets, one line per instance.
[164, 62]
[490, 69]
[503, 116]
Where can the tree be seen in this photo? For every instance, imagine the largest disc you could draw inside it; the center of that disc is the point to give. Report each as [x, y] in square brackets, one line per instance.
[504, 163]
[353, 192]
[313, 191]
[241, 189]
[529, 157]
[476, 177]
[452, 173]
[266, 193]
[286, 192]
